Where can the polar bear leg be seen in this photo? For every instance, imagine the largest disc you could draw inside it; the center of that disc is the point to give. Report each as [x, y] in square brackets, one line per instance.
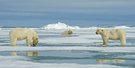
[123, 42]
[13, 41]
[105, 42]
[28, 42]
[123, 39]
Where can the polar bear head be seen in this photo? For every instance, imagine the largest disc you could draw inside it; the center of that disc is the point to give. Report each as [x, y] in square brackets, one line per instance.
[67, 33]
[70, 32]
[35, 41]
[99, 31]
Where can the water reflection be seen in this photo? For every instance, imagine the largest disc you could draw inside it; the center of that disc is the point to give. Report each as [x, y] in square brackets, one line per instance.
[34, 53]
[110, 61]
[13, 54]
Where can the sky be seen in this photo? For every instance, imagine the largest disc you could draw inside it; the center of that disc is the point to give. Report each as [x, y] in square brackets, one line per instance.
[82, 13]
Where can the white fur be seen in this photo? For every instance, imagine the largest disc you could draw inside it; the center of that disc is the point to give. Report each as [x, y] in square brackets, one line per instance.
[22, 34]
[115, 34]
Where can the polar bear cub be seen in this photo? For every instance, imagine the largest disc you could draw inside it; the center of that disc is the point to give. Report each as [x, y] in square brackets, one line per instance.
[29, 35]
[114, 34]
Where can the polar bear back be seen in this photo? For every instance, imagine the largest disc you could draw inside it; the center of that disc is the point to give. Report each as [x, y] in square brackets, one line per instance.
[21, 34]
[116, 34]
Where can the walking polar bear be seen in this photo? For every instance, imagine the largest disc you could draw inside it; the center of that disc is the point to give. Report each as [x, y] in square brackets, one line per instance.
[29, 35]
[115, 34]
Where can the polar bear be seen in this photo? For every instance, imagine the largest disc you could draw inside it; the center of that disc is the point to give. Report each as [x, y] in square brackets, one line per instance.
[114, 34]
[29, 35]
[68, 33]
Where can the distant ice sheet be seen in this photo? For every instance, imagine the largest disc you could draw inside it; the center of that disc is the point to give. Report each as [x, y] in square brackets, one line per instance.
[124, 27]
[59, 25]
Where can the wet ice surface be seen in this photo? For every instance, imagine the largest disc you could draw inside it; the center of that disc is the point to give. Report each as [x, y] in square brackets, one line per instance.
[82, 50]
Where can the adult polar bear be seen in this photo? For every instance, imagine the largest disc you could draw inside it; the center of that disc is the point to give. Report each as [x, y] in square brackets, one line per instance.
[29, 35]
[115, 34]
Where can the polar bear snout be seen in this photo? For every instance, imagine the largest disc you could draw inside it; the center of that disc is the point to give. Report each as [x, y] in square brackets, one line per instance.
[35, 42]
[33, 45]
[96, 32]
[99, 31]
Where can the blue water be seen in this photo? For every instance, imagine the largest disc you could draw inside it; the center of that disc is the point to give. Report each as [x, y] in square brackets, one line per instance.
[79, 57]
